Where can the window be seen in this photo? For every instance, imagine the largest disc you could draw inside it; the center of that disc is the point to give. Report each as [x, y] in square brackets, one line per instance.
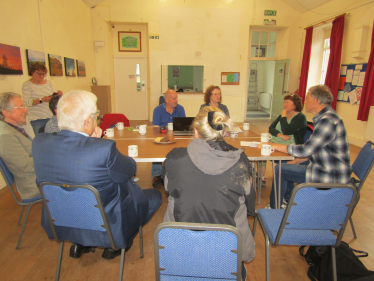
[263, 44]
[325, 60]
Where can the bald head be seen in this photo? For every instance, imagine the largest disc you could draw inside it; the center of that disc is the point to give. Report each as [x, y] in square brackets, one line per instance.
[171, 99]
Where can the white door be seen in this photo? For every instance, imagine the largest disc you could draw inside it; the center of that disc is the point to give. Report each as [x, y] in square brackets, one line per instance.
[281, 75]
[130, 76]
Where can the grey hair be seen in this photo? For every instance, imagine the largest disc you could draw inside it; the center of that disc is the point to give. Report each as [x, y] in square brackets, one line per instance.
[202, 126]
[73, 109]
[322, 94]
[6, 102]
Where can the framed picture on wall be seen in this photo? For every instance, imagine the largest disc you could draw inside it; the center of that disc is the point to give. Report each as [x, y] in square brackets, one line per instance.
[10, 60]
[69, 67]
[129, 41]
[33, 57]
[55, 65]
[81, 68]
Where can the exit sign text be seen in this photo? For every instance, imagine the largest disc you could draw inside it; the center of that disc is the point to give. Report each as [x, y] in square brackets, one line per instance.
[270, 13]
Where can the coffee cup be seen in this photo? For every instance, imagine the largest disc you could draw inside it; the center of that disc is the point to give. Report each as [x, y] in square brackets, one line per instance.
[109, 132]
[266, 150]
[234, 134]
[120, 126]
[245, 126]
[142, 129]
[170, 126]
[265, 137]
[133, 151]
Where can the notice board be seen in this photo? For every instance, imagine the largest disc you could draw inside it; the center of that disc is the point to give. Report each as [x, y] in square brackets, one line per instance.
[230, 78]
[351, 81]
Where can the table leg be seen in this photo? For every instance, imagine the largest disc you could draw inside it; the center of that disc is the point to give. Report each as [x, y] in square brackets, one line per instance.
[259, 180]
[279, 184]
[275, 188]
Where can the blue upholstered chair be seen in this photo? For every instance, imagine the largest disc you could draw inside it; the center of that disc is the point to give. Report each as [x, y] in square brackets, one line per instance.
[195, 251]
[9, 179]
[312, 212]
[78, 207]
[361, 168]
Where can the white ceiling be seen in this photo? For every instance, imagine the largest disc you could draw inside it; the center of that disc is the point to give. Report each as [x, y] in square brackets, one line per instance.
[300, 5]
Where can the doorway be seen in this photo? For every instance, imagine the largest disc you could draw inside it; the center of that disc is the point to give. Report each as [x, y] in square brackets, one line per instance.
[130, 76]
[268, 81]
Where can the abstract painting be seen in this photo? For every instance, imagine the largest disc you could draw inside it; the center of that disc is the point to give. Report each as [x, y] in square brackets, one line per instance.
[33, 57]
[55, 65]
[10, 60]
[69, 67]
[81, 68]
[129, 41]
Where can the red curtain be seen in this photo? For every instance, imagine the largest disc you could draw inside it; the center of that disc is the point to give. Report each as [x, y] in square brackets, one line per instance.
[305, 64]
[333, 68]
[367, 95]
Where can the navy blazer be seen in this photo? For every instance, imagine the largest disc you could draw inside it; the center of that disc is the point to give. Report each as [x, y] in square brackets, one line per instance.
[72, 158]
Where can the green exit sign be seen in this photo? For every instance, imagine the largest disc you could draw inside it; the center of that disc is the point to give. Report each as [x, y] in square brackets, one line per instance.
[270, 13]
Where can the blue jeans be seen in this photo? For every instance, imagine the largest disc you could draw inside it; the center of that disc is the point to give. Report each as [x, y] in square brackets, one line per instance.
[290, 174]
[154, 200]
[156, 169]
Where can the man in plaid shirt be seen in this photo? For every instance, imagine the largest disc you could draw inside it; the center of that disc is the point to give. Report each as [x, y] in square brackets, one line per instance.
[324, 158]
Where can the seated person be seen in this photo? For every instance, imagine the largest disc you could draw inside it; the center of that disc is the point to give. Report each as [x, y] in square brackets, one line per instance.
[15, 146]
[77, 155]
[162, 115]
[290, 126]
[208, 181]
[327, 148]
[52, 125]
[213, 97]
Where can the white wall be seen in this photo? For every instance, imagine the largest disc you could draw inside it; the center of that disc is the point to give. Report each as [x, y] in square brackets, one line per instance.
[219, 30]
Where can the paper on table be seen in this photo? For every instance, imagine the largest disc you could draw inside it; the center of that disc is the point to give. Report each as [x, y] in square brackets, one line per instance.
[236, 129]
[249, 143]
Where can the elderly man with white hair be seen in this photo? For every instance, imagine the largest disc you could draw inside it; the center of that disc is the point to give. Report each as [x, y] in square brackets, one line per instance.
[77, 155]
[15, 145]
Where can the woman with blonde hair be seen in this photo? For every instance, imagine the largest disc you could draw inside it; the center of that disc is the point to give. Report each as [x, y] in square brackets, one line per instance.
[208, 181]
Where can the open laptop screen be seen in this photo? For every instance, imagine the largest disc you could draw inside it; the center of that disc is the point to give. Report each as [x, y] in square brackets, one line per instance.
[182, 124]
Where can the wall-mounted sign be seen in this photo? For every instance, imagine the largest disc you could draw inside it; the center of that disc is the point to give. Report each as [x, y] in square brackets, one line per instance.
[270, 13]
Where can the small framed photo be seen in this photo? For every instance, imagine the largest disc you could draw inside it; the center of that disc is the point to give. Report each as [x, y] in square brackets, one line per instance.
[81, 68]
[10, 60]
[33, 57]
[69, 67]
[55, 65]
[129, 41]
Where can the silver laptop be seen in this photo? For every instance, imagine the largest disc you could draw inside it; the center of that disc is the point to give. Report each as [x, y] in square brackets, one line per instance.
[182, 126]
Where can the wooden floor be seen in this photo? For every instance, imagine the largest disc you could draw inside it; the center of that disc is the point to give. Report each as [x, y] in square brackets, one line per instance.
[37, 257]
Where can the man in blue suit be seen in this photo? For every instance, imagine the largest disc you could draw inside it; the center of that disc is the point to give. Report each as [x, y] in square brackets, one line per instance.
[77, 155]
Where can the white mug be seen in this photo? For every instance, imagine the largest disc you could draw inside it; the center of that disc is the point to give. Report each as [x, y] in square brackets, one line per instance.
[170, 126]
[120, 126]
[266, 150]
[133, 150]
[142, 129]
[265, 137]
[109, 132]
[245, 126]
[234, 134]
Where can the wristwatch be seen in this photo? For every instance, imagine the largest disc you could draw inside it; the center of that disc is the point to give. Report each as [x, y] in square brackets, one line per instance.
[40, 101]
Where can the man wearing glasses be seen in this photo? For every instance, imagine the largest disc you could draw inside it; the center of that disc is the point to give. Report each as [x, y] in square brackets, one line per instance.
[77, 155]
[15, 145]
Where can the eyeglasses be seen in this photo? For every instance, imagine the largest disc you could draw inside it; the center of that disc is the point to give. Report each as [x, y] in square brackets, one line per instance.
[20, 107]
[216, 94]
[97, 113]
[40, 74]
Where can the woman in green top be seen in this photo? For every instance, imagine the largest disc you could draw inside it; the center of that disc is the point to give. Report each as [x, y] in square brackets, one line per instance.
[290, 126]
